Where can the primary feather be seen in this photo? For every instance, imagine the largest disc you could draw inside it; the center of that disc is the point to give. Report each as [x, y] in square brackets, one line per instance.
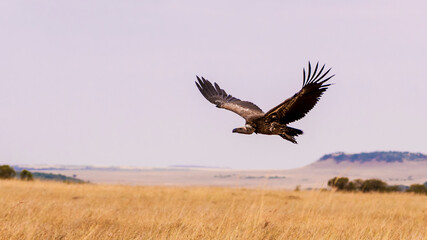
[297, 106]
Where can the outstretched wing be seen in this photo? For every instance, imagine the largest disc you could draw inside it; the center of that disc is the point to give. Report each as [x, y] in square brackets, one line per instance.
[221, 99]
[302, 102]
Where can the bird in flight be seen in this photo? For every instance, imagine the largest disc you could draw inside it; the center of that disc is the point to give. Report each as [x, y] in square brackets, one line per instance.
[275, 121]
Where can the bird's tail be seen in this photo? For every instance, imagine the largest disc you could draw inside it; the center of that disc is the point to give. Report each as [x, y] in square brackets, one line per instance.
[290, 134]
[293, 131]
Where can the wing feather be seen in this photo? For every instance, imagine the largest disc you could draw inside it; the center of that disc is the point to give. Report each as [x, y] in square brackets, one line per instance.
[296, 107]
[219, 97]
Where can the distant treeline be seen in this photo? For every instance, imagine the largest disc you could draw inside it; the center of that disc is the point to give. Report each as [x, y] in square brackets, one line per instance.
[373, 185]
[7, 172]
[56, 177]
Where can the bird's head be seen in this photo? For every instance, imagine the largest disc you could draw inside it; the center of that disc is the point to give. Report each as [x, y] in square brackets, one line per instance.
[237, 130]
[243, 130]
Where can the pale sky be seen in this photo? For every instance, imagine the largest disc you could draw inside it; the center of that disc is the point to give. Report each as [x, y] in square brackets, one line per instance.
[112, 82]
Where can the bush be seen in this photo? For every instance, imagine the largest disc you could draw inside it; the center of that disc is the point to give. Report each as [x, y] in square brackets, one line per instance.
[375, 185]
[26, 175]
[338, 183]
[7, 172]
[350, 186]
[417, 188]
[358, 183]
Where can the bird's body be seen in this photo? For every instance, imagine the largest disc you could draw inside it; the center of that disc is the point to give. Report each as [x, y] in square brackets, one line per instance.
[260, 125]
[275, 121]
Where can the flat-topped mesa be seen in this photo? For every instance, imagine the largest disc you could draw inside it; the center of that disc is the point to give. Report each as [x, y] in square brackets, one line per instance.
[388, 157]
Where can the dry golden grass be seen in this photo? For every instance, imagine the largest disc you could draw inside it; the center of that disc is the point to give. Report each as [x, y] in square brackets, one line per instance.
[49, 210]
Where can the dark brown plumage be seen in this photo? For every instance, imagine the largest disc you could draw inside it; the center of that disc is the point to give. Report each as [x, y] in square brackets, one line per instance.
[275, 121]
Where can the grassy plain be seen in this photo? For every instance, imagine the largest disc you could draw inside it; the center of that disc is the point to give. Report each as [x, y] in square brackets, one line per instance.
[52, 210]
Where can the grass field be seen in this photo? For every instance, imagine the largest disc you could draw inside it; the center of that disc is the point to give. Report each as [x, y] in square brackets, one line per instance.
[52, 210]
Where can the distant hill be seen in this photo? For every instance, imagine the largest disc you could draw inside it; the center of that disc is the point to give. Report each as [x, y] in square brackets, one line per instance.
[388, 157]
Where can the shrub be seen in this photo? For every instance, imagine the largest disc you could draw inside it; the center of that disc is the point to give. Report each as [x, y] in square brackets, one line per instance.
[338, 183]
[358, 183]
[375, 185]
[7, 172]
[417, 188]
[26, 175]
[350, 186]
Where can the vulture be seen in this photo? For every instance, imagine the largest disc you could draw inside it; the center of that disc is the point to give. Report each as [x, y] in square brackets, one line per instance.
[275, 121]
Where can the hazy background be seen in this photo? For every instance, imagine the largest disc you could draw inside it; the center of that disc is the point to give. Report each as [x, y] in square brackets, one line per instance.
[112, 82]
